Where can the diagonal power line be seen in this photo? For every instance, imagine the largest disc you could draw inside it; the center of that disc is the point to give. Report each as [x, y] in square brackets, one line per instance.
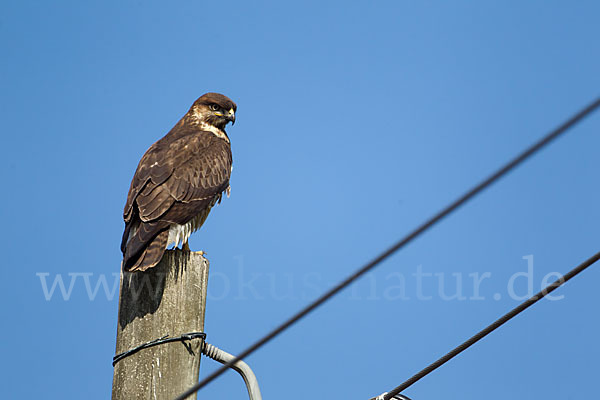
[519, 159]
[490, 328]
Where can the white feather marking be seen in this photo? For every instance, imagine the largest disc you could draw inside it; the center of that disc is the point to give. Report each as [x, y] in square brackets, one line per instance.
[179, 234]
[216, 131]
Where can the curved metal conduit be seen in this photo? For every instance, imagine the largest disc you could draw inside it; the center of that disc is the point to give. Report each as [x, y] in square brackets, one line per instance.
[241, 367]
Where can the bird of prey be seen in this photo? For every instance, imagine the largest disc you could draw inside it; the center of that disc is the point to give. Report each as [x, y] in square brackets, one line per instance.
[178, 180]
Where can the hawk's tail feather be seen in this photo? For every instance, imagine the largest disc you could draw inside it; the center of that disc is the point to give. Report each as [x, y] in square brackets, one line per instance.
[149, 256]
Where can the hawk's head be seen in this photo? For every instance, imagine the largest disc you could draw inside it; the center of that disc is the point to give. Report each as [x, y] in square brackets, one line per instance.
[214, 109]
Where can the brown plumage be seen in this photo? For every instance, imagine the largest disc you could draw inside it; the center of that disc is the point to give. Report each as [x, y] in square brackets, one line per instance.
[177, 182]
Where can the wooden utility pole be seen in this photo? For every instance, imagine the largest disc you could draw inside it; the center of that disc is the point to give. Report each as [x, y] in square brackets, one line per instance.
[168, 299]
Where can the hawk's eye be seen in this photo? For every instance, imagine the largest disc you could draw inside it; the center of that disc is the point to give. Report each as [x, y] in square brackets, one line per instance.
[214, 107]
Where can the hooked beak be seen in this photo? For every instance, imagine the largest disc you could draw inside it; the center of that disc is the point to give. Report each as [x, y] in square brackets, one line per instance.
[231, 116]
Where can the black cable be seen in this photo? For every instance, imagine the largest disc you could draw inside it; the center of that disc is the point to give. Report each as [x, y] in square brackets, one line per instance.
[495, 325]
[411, 236]
[156, 342]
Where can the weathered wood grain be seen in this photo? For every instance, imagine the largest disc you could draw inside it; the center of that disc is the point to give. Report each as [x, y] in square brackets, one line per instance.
[169, 299]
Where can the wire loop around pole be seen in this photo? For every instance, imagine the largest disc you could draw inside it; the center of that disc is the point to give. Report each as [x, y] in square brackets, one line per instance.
[156, 342]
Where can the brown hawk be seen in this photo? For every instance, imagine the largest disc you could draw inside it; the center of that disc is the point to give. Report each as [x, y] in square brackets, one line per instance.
[178, 180]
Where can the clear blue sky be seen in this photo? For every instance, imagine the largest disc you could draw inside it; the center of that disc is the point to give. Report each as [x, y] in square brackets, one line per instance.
[355, 122]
